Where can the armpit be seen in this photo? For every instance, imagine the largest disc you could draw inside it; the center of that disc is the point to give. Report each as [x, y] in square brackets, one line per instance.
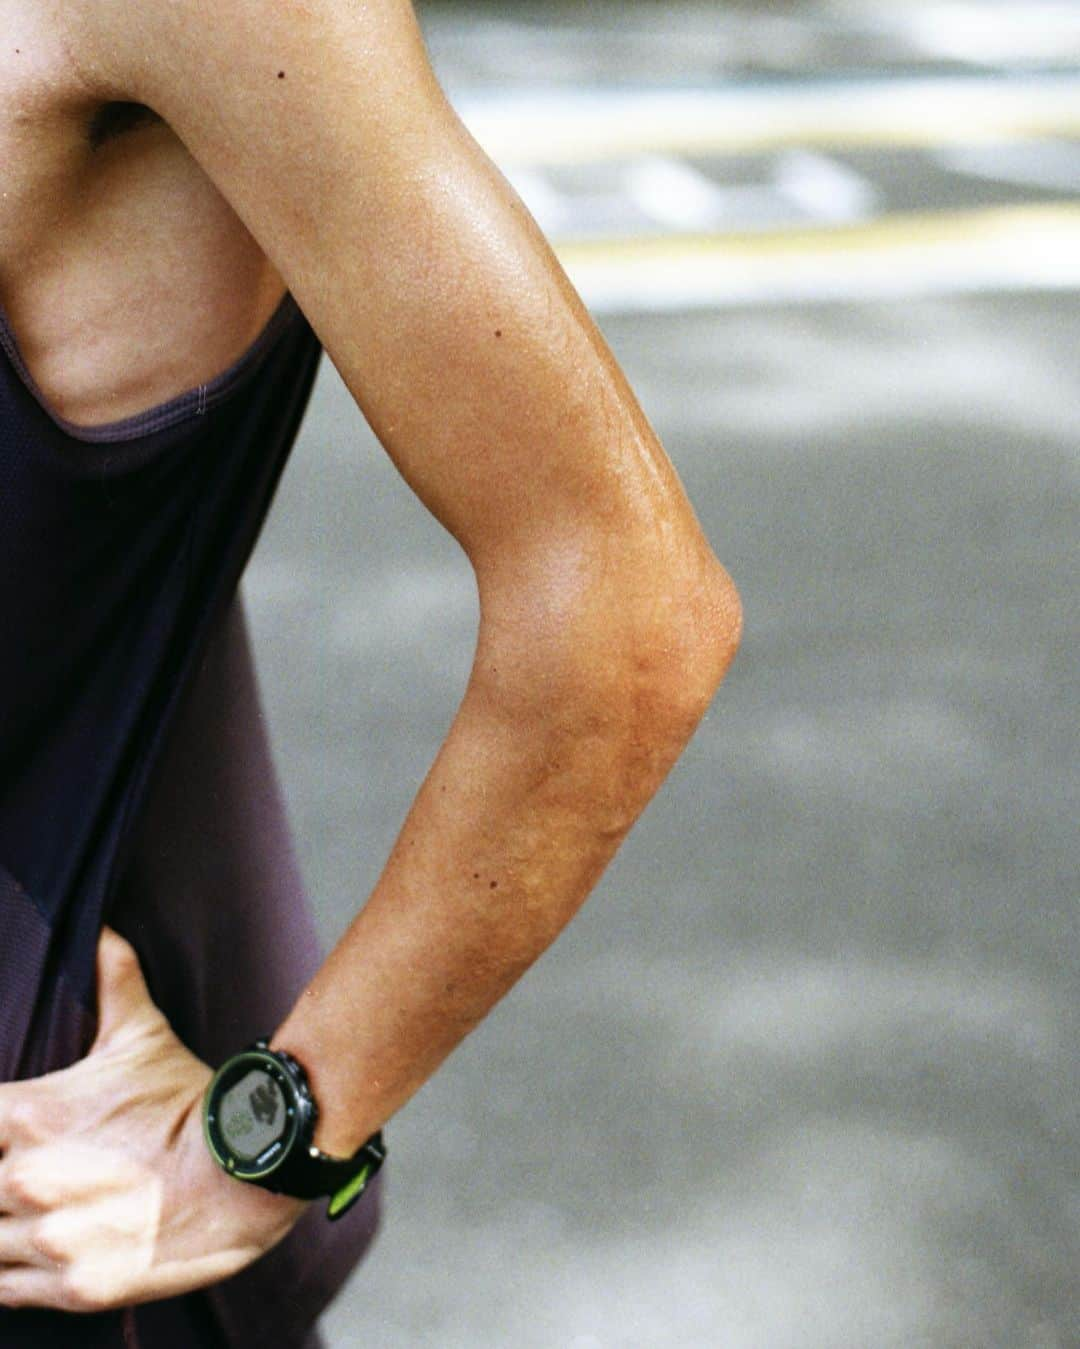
[114, 119]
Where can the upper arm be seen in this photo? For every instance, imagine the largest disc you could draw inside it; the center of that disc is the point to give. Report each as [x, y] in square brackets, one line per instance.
[422, 273]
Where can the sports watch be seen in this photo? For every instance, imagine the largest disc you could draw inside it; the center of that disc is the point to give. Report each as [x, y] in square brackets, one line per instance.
[259, 1121]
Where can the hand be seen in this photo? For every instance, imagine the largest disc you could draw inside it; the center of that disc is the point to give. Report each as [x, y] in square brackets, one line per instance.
[108, 1193]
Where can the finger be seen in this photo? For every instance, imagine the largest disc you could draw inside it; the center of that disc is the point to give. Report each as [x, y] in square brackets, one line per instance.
[19, 1120]
[20, 1244]
[15, 1194]
[28, 1286]
[50, 1177]
[96, 1255]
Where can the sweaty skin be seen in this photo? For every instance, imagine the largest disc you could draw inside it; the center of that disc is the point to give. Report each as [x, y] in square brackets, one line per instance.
[313, 149]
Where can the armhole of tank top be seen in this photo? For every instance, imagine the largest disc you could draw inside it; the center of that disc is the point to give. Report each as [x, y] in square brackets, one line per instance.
[188, 405]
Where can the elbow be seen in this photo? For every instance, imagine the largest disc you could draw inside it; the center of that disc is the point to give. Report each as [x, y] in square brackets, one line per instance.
[666, 683]
[682, 661]
[709, 633]
[719, 627]
[614, 674]
[600, 687]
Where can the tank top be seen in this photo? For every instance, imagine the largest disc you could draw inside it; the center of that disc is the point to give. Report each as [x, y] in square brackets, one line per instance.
[120, 546]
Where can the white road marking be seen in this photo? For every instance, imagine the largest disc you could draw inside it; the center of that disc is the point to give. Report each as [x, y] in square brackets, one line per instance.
[999, 34]
[675, 194]
[633, 137]
[574, 126]
[823, 188]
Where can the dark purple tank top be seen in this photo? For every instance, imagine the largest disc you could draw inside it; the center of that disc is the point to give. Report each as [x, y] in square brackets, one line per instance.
[120, 547]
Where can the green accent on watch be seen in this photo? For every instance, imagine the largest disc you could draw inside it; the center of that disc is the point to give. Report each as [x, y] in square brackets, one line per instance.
[340, 1201]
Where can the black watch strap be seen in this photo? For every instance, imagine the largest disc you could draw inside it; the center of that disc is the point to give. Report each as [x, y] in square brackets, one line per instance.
[310, 1174]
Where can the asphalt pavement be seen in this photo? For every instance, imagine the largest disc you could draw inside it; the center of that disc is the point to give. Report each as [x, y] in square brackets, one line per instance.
[804, 1072]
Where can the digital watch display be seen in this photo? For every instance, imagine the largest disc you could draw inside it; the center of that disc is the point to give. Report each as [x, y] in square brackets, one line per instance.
[252, 1115]
[259, 1121]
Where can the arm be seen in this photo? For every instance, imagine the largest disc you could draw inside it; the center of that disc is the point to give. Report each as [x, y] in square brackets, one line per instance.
[606, 622]
[545, 768]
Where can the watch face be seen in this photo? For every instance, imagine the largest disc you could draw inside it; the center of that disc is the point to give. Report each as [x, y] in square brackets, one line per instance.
[252, 1115]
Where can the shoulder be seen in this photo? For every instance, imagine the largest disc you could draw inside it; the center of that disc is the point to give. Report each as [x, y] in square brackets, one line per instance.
[251, 87]
[169, 53]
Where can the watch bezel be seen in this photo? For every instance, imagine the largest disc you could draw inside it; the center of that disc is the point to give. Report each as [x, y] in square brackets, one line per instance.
[299, 1112]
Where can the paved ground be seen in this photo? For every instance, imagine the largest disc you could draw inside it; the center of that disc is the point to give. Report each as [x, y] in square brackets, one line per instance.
[804, 1073]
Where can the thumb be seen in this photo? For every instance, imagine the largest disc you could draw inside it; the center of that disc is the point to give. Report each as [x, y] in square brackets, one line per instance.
[124, 1002]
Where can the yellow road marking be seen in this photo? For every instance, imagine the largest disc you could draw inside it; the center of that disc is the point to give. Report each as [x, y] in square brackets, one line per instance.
[889, 233]
[1010, 248]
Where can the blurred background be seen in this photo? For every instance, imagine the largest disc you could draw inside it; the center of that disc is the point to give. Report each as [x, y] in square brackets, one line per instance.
[804, 1074]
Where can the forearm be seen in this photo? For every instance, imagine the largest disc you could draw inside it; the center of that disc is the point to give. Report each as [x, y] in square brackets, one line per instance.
[553, 754]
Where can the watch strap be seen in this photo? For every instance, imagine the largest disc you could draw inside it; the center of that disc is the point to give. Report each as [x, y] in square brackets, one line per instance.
[311, 1174]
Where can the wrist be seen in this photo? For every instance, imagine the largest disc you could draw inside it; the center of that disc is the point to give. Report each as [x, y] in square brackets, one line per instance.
[258, 1119]
[257, 1217]
[342, 1125]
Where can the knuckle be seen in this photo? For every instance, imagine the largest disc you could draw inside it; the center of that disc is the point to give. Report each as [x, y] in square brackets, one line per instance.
[24, 1119]
[83, 1290]
[50, 1242]
[22, 1186]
